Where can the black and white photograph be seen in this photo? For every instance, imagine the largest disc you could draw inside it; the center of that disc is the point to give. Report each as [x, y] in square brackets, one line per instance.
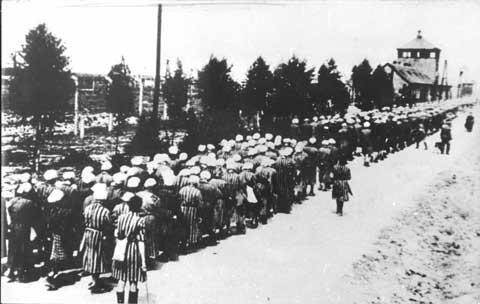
[240, 151]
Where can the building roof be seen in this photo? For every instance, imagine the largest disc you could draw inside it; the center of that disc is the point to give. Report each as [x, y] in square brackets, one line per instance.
[411, 74]
[418, 43]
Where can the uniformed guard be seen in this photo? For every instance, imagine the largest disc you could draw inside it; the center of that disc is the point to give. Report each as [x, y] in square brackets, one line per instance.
[469, 121]
[445, 136]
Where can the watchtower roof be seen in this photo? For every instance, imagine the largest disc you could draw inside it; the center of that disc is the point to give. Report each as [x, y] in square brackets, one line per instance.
[419, 43]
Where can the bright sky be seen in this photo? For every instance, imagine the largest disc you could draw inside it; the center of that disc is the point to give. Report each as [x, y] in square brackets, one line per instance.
[97, 37]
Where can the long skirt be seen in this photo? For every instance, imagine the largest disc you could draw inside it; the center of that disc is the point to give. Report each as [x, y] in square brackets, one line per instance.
[58, 249]
[192, 229]
[18, 246]
[94, 259]
[151, 236]
[341, 190]
[130, 270]
[219, 214]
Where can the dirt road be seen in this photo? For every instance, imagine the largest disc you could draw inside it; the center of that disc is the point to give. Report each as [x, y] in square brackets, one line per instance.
[314, 256]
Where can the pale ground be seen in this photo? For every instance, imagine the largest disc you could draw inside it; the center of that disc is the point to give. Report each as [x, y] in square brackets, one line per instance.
[314, 256]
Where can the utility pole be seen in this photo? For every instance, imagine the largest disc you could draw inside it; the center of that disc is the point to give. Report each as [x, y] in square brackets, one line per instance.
[156, 91]
[75, 109]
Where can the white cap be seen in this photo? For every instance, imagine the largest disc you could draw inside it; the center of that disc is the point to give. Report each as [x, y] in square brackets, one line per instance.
[183, 156]
[238, 137]
[168, 177]
[173, 150]
[287, 151]
[150, 182]
[127, 196]
[100, 191]
[68, 175]
[133, 182]
[106, 165]
[55, 196]
[25, 177]
[332, 141]
[269, 136]
[161, 157]
[88, 178]
[256, 136]
[201, 148]
[118, 178]
[87, 169]
[136, 161]
[366, 124]
[237, 157]
[205, 175]
[210, 147]
[195, 170]
[227, 148]
[312, 140]
[124, 169]
[247, 166]
[24, 188]
[50, 174]
[220, 162]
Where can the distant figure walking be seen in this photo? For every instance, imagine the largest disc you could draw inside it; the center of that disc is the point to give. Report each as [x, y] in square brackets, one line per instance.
[469, 122]
[419, 135]
[446, 137]
[341, 188]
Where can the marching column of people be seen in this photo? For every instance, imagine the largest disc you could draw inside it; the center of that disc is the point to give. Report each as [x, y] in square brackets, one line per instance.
[119, 221]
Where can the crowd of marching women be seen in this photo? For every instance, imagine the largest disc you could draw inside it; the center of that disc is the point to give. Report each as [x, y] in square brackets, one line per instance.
[118, 218]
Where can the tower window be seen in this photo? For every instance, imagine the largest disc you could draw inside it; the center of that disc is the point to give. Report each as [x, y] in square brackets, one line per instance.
[406, 54]
[418, 54]
[432, 54]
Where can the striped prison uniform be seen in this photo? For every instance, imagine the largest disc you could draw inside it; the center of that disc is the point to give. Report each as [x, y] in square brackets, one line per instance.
[150, 206]
[97, 225]
[219, 213]
[118, 210]
[191, 198]
[132, 227]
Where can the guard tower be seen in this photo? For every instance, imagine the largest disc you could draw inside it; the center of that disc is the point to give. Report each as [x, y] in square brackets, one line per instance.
[421, 55]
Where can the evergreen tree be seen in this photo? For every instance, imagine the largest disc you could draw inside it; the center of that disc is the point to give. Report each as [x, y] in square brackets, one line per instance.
[175, 92]
[330, 93]
[258, 87]
[216, 88]
[120, 95]
[41, 85]
[362, 85]
[292, 86]
[382, 88]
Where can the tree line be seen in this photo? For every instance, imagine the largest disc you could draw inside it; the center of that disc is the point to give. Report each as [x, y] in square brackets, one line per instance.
[42, 85]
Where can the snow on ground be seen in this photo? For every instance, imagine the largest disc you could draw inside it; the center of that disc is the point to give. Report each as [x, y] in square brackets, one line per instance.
[303, 257]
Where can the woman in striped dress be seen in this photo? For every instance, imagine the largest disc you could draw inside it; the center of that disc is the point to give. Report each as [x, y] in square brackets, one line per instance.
[190, 199]
[133, 268]
[341, 188]
[97, 230]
